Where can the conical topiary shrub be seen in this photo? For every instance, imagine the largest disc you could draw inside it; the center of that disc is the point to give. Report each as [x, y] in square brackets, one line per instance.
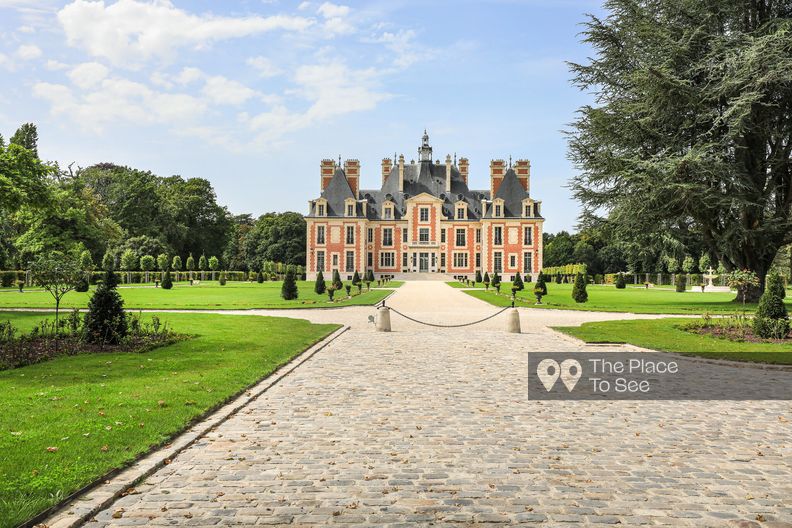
[105, 322]
[541, 285]
[337, 284]
[478, 276]
[356, 279]
[319, 286]
[771, 319]
[289, 287]
[517, 283]
[167, 281]
[620, 282]
[776, 284]
[579, 293]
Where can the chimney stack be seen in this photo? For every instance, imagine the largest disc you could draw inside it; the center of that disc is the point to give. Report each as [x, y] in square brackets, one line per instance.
[387, 165]
[463, 169]
[497, 169]
[352, 171]
[448, 174]
[326, 171]
[523, 170]
[401, 172]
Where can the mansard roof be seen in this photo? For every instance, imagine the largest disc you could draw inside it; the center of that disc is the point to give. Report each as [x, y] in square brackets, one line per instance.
[337, 192]
[512, 193]
[423, 177]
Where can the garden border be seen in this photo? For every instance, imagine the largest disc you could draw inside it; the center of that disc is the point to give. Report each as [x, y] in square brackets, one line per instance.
[79, 507]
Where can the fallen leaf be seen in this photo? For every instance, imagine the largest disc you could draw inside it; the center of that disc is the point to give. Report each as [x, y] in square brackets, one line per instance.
[104, 448]
[52, 449]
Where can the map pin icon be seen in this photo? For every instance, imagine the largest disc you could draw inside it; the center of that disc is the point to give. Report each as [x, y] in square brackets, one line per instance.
[547, 371]
[570, 373]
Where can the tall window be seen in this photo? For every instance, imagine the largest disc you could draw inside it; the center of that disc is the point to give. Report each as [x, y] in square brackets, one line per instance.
[387, 259]
[350, 261]
[478, 236]
[404, 235]
[498, 211]
[350, 209]
[442, 260]
[460, 260]
[320, 234]
[388, 212]
[528, 262]
[528, 235]
[512, 261]
[497, 258]
[423, 235]
[460, 213]
[350, 234]
[335, 260]
[498, 236]
[370, 259]
[320, 261]
[442, 236]
[424, 214]
[370, 235]
[478, 260]
[404, 259]
[387, 236]
[320, 210]
[527, 210]
[460, 238]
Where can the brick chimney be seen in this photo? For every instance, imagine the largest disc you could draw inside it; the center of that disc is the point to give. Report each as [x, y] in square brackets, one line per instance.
[401, 172]
[352, 170]
[387, 166]
[448, 174]
[523, 170]
[463, 169]
[327, 169]
[497, 169]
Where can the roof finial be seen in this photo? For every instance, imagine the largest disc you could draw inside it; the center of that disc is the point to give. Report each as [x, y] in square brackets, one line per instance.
[510, 161]
[454, 159]
[339, 160]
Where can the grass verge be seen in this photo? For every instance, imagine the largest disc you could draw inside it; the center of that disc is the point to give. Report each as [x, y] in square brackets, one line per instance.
[668, 335]
[102, 411]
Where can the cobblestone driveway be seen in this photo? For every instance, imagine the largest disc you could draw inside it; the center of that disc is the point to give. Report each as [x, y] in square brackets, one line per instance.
[434, 427]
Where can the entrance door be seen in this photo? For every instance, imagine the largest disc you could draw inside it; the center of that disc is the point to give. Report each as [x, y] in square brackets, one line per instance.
[423, 262]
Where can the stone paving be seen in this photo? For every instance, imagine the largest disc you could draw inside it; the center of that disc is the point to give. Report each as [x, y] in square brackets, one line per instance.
[434, 427]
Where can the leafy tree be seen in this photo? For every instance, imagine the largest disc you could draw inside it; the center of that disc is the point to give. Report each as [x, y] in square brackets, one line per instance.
[106, 321]
[688, 264]
[190, 263]
[144, 245]
[672, 264]
[147, 264]
[559, 249]
[319, 285]
[129, 261]
[743, 281]
[579, 293]
[685, 139]
[278, 237]
[58, 274]
[203, 265]
[86, 261]
[162, 261]
[176, 264]
[704, 263]
[108, 261]
[214, 264]
[289, 287]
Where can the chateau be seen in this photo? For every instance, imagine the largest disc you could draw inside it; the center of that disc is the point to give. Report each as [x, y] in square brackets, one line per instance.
[424, 219]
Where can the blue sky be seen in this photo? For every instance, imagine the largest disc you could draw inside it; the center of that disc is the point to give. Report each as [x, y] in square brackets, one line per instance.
[252, 94]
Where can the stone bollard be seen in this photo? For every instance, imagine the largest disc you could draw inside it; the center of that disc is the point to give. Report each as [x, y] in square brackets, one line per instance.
[383, 319]
[513, 321]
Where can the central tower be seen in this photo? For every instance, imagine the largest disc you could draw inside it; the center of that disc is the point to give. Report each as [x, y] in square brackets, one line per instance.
[425, 152]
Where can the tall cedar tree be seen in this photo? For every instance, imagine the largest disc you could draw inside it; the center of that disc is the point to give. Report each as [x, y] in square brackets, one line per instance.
[105, 321]
[689, 135]
[289, 288]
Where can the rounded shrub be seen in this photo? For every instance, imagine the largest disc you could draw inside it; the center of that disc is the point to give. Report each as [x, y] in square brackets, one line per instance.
[620, 282]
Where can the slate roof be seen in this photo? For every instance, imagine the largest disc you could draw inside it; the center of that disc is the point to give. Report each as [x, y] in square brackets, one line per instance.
[512, 193]
[423, 177]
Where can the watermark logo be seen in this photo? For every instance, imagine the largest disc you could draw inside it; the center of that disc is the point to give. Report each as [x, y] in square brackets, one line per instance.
[548, 371]
[650, 376]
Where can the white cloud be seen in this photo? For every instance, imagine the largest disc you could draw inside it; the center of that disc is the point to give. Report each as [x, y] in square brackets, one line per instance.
[264, 66]
[26, 29]
[402, 45]
[304, 5]
[220, 90]
[189, 75]
[88, 74]
[336, 19]
[130, 32]
[28, 52]
[54, 65]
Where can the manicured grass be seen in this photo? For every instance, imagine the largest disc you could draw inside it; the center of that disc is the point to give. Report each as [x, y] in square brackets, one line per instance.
[206, 295]
[610, 299]
[668, 335]
[101, 411]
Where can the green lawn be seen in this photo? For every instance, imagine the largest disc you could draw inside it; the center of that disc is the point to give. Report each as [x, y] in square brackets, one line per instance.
[126, 402]
[668, 335]
[207, 295]
[610, 299]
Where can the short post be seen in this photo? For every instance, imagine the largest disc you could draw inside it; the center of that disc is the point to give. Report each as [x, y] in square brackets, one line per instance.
[383, 319]
[513, 321]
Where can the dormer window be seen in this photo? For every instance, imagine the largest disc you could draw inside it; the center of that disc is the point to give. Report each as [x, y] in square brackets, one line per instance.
[461, 211]
[527, 210]
[351, 210]
[387, 211]
[498, 211]
[321, 208]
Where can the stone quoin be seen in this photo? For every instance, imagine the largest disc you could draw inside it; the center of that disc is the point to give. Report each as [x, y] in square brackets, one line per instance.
[424, 219]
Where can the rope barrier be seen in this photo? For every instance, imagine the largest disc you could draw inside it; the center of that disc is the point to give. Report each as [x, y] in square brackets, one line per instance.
[446, 326]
